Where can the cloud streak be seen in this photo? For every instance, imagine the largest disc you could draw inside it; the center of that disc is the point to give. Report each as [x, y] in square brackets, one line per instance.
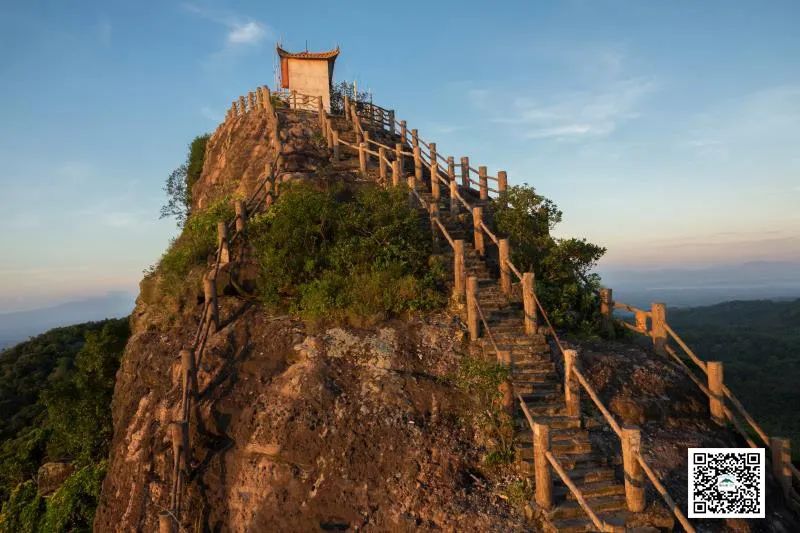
[241, 31]
[580, 115]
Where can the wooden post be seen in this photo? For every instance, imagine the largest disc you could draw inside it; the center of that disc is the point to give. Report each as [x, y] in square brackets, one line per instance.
[187, 371]
[505, 271]
[453, 198]
[165, 522]
[267, 99]
[607, 311]
[529, 302]
[465, 172]
[477, 230]
[336, 154]
[395, 173]
[362, 157]
[634, 474]
[329, 134]
[717, 398]
[398, 155]
[210, 294]
[472, 307]
[367, 143]
[241, 215]
[506, 388]
[354, 115]
[412, 186]
[572, 390]
[403, 132]
[502, 181]
[781, 450]
[541, 467]
[459, 282]
[432, 149]
[414, 138]
[435, 189]
[391, 120]
[641, 321]
[433, 211]
[222, 243]
[658, 322]
[347, 109]
[484, 181]
[417, 164]
[382, 163]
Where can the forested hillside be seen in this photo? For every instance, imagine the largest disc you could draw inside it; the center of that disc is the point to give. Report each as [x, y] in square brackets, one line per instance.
[759, 343]
[55, 396]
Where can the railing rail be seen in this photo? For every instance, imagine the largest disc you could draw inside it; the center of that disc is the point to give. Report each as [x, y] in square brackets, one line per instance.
[714, 388]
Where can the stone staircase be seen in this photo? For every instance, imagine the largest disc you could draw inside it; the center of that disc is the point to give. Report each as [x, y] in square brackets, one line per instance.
[533, 369]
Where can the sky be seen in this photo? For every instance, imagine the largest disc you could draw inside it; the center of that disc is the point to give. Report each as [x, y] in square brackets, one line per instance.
[667, 132]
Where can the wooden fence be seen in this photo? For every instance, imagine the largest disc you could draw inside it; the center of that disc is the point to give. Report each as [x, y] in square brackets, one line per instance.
[390, 163]
[368, 120]
[228, 234]
[724, 406]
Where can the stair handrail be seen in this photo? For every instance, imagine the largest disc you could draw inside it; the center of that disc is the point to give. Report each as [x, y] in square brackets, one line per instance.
[170, 518]
[582, 380]
[486, 327]
[599, 403]
[601, 525]
[702, 365]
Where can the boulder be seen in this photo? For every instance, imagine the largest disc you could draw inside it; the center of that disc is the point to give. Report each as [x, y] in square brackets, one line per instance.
[51, 476]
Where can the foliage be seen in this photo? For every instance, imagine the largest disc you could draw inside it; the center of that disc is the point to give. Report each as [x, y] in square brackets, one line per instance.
[342, 254]
[23, 511]
[64, 381]
[72, 506]
[759, 345]
[77, 409]
[196, 242]
[480, 380]
[342, 89]
[180, 181]
[565, 285]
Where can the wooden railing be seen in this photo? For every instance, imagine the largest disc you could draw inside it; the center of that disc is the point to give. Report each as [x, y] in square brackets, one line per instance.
[711, 383]
[228, 233]
[298, 101]
[425, 157]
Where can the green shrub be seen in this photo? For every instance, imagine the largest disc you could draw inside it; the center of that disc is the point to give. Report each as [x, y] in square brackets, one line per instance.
[22, 513]
[72, 506]
[480, 380]
[564, 283]
[345, 255]
[197, 241]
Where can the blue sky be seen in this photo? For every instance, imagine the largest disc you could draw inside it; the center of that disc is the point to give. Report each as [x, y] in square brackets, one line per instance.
[666, 131]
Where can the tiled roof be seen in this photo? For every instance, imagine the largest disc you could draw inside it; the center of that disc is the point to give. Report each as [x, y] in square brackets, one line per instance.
[330, 54]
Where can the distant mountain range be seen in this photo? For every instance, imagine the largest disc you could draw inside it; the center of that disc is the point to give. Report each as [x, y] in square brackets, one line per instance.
[19, 326]
[686, 287]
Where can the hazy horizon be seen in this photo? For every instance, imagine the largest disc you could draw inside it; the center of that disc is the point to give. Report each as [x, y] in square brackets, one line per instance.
[672, 145]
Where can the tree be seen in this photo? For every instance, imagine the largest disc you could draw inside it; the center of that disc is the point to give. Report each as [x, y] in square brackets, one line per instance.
[564, 283]
[181, 180]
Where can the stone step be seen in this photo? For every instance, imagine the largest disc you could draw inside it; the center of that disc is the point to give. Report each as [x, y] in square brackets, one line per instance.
[572, 509]
[580, 525]
[605, 487]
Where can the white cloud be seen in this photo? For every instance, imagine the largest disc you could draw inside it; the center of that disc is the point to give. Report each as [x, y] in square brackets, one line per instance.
[242, 31]
[249, 33]
[580, 114]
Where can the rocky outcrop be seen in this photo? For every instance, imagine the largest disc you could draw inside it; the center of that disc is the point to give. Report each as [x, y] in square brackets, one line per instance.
[293, 430]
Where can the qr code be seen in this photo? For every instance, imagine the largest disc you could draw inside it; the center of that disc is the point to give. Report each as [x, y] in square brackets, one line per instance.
[726, 482]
